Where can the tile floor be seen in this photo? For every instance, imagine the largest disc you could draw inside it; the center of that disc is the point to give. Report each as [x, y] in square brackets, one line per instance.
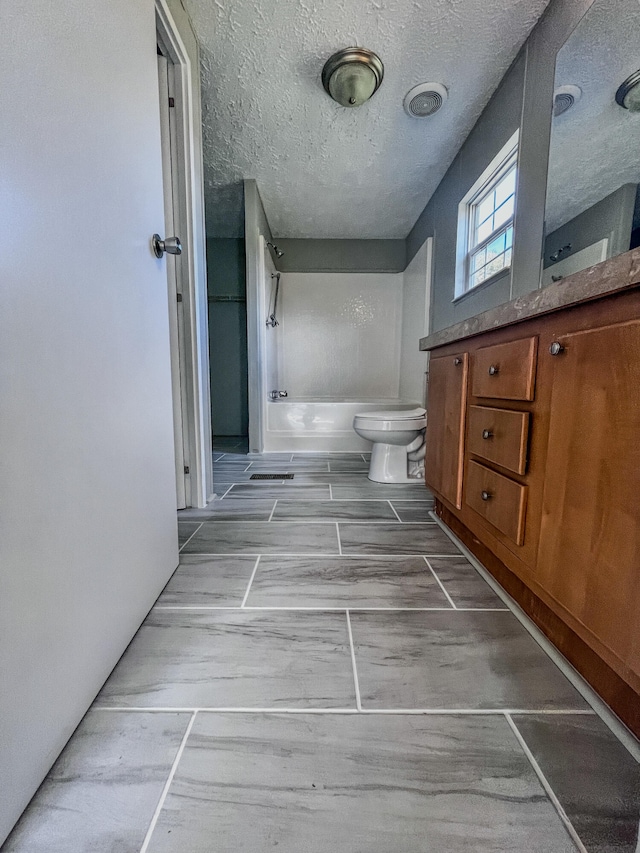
[326, 672]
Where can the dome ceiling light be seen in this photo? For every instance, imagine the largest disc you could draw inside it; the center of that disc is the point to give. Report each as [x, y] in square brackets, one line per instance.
[351, 76]
[628, 94]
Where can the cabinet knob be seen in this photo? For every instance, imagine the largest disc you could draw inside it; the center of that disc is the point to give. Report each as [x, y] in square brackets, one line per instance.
[457, 361]
[493, 370]
[556, 348]
[485, 495]
[486, 433]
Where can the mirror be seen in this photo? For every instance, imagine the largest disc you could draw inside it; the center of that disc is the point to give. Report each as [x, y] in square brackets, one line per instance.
[592, 210]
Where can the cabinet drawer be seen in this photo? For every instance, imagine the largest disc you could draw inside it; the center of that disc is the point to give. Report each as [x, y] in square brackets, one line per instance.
[505, 371]
[499, 436]
[499, 500]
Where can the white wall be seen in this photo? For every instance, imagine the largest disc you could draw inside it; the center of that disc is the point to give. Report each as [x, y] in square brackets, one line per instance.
[87, 502]
[341, 334]
[415, 323]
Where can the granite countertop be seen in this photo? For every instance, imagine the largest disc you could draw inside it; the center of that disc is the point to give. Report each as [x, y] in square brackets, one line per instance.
[609, 277]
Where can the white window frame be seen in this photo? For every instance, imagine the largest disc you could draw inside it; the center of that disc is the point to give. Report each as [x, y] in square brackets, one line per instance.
[506, 159]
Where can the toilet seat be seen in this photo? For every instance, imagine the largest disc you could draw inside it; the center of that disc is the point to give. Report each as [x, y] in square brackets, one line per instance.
[387, 421]
[394, 414]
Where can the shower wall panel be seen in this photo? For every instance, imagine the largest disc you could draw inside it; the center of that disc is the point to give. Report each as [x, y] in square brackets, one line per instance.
[340, 334]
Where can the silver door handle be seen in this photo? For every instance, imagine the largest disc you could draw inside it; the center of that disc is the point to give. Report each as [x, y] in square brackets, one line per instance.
[170, 245]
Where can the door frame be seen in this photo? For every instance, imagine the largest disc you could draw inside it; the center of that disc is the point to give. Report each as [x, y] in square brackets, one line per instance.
[191, 272]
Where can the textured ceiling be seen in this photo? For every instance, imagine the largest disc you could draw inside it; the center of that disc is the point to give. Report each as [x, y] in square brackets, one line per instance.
[594, 145]
[324, 170]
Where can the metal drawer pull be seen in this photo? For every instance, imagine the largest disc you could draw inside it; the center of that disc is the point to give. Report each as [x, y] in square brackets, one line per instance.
[556, 348]
[486, 495]
[457, 361]
[486, 433]
[493, 370]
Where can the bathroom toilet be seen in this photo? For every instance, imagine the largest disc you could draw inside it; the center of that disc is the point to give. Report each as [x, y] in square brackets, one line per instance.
[398, 444]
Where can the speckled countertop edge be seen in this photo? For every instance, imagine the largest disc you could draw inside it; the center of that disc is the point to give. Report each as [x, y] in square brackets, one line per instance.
[609, 277]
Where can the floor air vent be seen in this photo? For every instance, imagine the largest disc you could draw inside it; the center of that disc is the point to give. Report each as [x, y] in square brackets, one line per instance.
[271, 477]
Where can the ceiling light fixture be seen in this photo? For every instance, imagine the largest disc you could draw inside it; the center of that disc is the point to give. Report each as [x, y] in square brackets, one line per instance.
[351, 76]
[628, 94]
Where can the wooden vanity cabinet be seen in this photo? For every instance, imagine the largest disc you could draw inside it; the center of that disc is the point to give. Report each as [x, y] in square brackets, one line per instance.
[445, 430]
[589, 550]
[549, 497]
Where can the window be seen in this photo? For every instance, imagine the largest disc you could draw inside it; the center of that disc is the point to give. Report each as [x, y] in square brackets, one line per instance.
[485, 222]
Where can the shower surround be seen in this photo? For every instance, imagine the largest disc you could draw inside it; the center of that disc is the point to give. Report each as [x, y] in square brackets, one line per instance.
[345, 343]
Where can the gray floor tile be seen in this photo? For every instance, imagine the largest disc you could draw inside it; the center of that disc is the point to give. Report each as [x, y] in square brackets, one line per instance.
[455, 659]
[221, 487]
[379, 491]
[236, 473]
[250, 784]
[261, 537]
[302, 465]
[241, 510]
[186, 529]
[348, 465]
[345, 582]
[237, 463]
[208, 582]
[344, 478]
[394, 539]
[287, 510]
[413, 510]
[463, 583]
[235, 659]
[270, 457]
[593, 776]
[289, 490]
[102, 792]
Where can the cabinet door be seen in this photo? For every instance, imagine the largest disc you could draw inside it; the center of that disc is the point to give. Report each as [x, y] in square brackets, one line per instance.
[589, 554]
[446, 408]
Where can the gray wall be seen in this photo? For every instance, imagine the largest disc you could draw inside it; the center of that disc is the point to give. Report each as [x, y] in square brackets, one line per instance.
[342, 255]
[228, 336]
[611, 217]
[522, 100]
[439, 219]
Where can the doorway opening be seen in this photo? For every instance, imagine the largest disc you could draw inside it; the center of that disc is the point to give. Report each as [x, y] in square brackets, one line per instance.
[170, 172]
[227, 296]
[186, 271]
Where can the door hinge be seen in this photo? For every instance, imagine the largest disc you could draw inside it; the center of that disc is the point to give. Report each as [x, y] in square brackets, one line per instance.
[186, 469]
[172, 102]
[178, 297]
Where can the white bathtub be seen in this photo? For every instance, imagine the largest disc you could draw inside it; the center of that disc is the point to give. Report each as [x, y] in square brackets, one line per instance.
[305, 425]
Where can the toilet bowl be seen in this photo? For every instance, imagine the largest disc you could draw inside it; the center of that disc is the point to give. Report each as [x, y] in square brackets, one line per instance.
[397, 436]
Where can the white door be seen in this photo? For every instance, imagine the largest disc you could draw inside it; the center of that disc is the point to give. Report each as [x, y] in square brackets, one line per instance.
[170, 175]
[88, 531]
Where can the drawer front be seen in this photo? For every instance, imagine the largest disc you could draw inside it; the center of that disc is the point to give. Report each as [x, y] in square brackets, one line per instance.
[505, 371]
[499, 436]
[499, 500]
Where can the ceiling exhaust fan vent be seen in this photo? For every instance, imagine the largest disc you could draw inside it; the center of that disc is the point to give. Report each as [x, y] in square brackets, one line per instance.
[424, 100]
[564, 98]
